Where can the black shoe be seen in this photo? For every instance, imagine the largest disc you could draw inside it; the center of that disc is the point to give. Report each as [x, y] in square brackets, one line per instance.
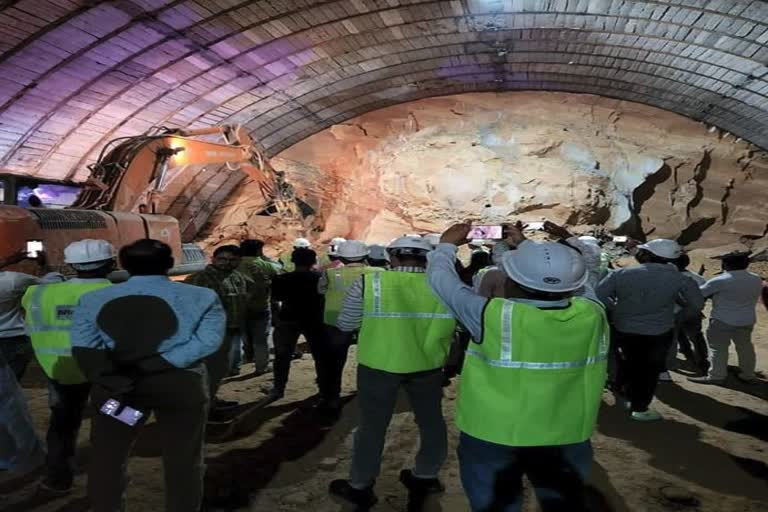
[55, 487]
[223, 405]
[425, 485]
[360, 497]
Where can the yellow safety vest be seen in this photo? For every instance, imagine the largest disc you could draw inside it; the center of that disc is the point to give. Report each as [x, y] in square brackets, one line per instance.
[537, 377]
[405, 329]
[339, 281]
[49, 310]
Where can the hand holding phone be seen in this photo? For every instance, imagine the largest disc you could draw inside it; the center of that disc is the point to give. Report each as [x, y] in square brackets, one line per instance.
[124, 414]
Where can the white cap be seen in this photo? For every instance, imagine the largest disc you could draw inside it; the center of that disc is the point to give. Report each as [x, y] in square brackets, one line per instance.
[302, 243]
[432, 238]
[352, 250]
[546, 267]
[589, 239]
[411, 245]
[663, 248]
[88, 254]
[378, 252]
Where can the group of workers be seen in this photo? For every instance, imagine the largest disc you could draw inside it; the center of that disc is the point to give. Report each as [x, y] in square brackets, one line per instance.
[536, 330]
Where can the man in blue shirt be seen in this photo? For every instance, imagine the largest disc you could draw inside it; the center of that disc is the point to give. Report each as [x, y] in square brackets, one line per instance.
[142, 343]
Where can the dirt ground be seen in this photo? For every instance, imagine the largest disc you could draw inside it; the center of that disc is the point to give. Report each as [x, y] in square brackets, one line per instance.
[281, 456]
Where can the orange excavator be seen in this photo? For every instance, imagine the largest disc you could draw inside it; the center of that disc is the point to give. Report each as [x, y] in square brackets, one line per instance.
[119, 200]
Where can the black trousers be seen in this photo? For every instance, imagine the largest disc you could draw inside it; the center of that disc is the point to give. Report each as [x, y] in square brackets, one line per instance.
[67, 403]
[285, 337]
[179, 401]
[332, 356]
[641, 358]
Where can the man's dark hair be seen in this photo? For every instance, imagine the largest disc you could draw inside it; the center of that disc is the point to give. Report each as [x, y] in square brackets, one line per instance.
[146, 257]
[231, 249]
[682, 262]
[34, 201]
[303, 257]
[736, 262]
[646, 256]
[251, 247]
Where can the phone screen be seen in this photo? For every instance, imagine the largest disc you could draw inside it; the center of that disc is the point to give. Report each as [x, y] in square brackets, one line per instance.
[128, 415]
[34, 248]
[485, 233]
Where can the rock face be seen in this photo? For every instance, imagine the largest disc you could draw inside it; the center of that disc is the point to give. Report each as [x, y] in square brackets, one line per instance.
[582, 160]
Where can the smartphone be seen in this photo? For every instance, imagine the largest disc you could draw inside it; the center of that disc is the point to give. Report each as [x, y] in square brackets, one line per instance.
[34, 248]
[127, 415]
[486, 233]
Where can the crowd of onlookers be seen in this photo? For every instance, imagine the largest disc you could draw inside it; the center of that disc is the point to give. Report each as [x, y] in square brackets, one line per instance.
[527, 324]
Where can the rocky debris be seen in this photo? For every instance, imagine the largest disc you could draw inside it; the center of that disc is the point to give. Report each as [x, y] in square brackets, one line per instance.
[297, 498]
[679, 496]
[328, 464]
[574, 159]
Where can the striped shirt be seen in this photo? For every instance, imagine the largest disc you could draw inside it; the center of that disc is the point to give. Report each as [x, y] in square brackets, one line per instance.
[351, 316]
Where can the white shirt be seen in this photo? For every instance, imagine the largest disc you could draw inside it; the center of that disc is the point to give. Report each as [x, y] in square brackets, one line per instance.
[12, 288]
[734, 297]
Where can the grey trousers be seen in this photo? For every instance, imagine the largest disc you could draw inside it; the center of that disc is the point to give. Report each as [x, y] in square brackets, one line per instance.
[377, 396]
[719, 337]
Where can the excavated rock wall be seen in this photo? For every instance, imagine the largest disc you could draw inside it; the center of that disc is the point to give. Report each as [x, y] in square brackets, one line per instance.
[582, 160]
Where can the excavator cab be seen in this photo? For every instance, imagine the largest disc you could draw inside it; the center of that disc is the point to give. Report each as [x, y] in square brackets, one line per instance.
[31, 192]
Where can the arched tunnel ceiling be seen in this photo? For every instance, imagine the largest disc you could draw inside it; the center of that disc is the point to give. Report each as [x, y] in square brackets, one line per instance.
[75, 74]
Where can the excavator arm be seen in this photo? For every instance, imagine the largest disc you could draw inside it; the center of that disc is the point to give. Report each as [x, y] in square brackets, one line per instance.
[132, 167]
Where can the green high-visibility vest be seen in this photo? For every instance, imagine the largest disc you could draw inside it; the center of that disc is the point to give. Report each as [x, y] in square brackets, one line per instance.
[537, 377]
[49, 310]
[405, 327]
[339, 281]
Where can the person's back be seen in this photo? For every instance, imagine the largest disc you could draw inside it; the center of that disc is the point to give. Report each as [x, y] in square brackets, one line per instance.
[141, 343]
[404, 337]
[734, 295]
[643, 297]
[298, 297]
[533, 377]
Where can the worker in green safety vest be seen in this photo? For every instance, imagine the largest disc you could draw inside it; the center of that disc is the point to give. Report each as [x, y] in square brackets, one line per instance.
[333, 284]
[48, 317]
[405, 334]
[533, 377]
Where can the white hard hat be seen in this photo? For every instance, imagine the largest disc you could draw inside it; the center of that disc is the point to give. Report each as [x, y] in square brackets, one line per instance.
[663, 248]
[412, 245]
[546, 267]
[301, 243]
[352, 250]
[88, 254]
[334, 245]
[589, 239]
[432, 238]
[378, 252]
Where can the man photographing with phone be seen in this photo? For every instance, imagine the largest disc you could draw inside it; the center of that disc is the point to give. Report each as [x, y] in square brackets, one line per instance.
[141, 344]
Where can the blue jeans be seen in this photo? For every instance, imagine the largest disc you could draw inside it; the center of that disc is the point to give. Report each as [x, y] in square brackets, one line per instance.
[492, 475]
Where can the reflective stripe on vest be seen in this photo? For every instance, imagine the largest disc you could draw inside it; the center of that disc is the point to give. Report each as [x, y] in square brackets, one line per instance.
[505, 361]
[339, 281]
[49, 310]
[378, 313]
[536, 378]
[405, 328]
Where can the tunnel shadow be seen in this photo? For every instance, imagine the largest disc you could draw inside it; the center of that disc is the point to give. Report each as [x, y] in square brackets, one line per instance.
[602, 496]
[677, 449]
[234, 476]
[713, 412]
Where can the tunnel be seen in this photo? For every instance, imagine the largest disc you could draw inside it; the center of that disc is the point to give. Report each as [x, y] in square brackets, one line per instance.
[371, 119]
[647, 118]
